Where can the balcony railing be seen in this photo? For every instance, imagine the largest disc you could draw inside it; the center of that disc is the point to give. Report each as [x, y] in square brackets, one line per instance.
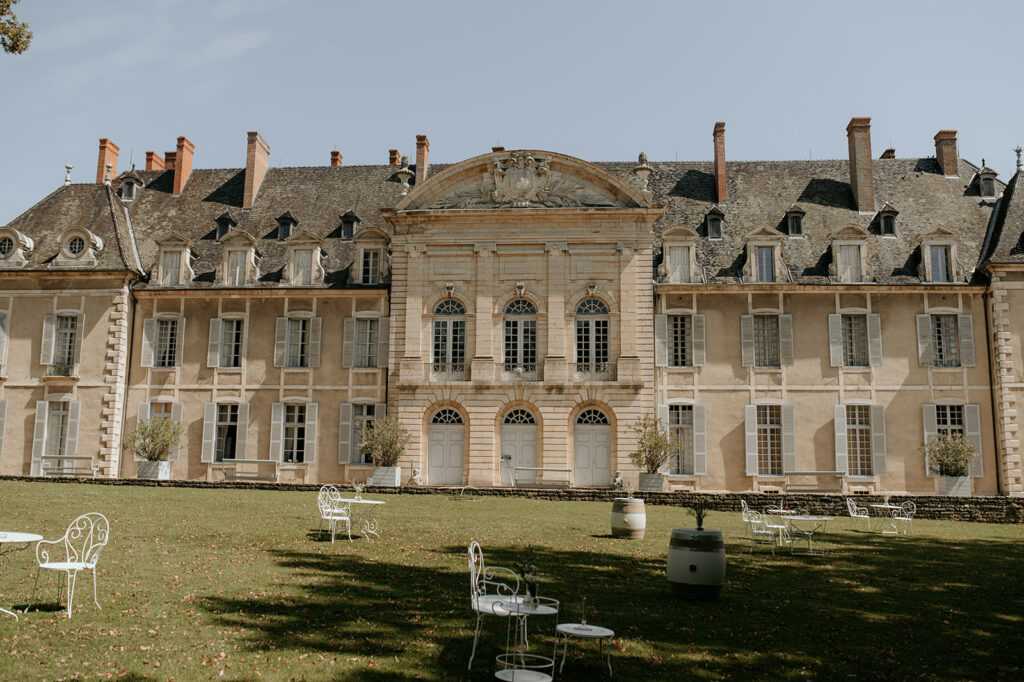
[448, 371]
[60, 370]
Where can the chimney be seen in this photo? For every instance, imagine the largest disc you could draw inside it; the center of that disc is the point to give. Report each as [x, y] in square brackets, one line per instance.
[721, 188]
[394, 158]
[335, 158]
[183, 163]
[889, 153]
[945, 153]
[497, 149]
[107, 157]
[257, 157]
[170, 159]
[422, 158]
[858, 135]
[154, 162]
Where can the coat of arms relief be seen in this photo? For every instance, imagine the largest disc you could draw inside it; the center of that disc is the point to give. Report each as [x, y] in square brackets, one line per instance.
[525, 180]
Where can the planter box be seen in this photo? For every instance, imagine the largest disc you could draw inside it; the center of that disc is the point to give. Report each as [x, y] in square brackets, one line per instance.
[652, 483]
[154, 471]
[386, 477]
[953, 486]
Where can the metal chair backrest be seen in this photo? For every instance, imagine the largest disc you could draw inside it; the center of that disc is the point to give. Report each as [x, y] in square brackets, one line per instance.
[328, 498]
[852, 507]
[744, 509]
[476, 569]
[86, 537]
[909, 509]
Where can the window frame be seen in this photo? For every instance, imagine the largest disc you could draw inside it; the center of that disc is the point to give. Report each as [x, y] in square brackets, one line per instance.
[864, 438]
[947, 249]
[71, 347]
[772, 438]
[293, 433]
[681, 437]
[759, 350]
[371, 276]
[851, 337]
[795, 218]
[887, 224]
[301, 360]
[938, 336]
[364, 342]
[448, 341]
[593, 335]
[225, 320]
[521, 329]
[714, 224]
[356, 454]
[231, 278]
[679, 337]
[232, 409]
[839, 247]
[166, 357]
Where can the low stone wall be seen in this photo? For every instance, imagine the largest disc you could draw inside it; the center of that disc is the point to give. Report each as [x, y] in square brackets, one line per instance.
[981, 509]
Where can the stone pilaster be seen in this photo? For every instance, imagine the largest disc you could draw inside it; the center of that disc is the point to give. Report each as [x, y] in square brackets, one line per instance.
[1007, 434]
[115, 377]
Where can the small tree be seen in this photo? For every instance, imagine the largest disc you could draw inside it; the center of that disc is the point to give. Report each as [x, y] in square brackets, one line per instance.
[949, 455]
[652, 447]
[385, 439]
[15, 36]
[154, 439]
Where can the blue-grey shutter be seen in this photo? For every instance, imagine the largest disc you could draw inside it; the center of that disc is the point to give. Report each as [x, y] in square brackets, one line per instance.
[315, 334]
[280, 341]
[924, 340]
[750, 429]
[874, 340]
[179, 348]
[786, 339]
[747, 340]
[148, 342]
[276, 432]
[77, 350]
[209, 432]
[176, 418]
[348, 332]
[39, 437]
[344, 432]
[74, 420]
[700, 439]
[213, 347]
[697, 335]
[835, 340]
[788, 438]
[661, 340]
[972, 432]
[931, 430]
[312, 410]
[47, 345]
[878, 440]
[242, 439]
[842, 457]
[383, 328]
[965, 327]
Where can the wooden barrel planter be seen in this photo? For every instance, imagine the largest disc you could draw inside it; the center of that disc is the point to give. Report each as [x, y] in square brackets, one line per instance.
[629, 518]
[696, 562]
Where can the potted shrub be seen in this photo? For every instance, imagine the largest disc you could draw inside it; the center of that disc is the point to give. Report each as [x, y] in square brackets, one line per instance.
[153, 441]
[386, 440]
[949, 458]
[651, 454]
[696, 557]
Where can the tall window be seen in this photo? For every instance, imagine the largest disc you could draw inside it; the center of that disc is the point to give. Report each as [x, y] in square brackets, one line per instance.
[521, 336]
[765, 263]
[766, 341]
[848, 265]
[236, 268]
[170, 268]
[679, 331]
[294, 433]
[449, 338]
[366, 342]
[945, 341]
[56, 428]
[65, 342]
[227, 431]
[592, 336]
[855, 340]
[680, 431]
[371, 266]
[950, 420]
[302, 267]
[361, 415]
[942, 267]
[298, 342]
[231, 331]
[769, 440]
[858, 440]
[679, 264]
[166, 343]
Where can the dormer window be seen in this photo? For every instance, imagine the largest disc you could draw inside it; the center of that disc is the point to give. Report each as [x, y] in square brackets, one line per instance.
[224, 223]
[76, 246]
[128, 191]
[849, 263]
[79, 248]
[940, 260]
[14, 248]
[371, 266]
[170, 267]
[349, 222]
[285, 224]
[6, 247]
[764, 263]
[887, 220]
[237, 267]
[795, 222]
[713, 220]
[302, 267]
[987, 182]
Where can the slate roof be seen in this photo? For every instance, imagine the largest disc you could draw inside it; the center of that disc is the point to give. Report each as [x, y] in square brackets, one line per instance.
[1006, 238]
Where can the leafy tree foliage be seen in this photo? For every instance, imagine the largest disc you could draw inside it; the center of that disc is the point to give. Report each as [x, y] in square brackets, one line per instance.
[15, 36]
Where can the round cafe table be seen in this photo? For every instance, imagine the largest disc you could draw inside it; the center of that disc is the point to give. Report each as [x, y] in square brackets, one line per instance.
[585, 631]
[12, 542]
[807, 525]
[886, 524]
[370, 525]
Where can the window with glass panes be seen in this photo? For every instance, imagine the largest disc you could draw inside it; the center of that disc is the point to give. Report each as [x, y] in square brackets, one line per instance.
[227, 431]
[160, 410]
[858, 440]
[766, 341]
[765, 263]
[795, 224]
[679, 330]
[680, 433]
[166, 343]
[170, 268]
[366, 342]
[57, 428]
[362, 416]
[714, 227]
[592, 336]
[950, 420]
[855, 340]
[294, 433]
[231, 330]
[679, 263]
[298, 342]
[849, 263]
[371, 266]
[302, 266]
[236, 268]
[942, 270]
[945, 341]
[449, 338]
[520, 336]
[769, 440]
[65, 342]
[888, 224]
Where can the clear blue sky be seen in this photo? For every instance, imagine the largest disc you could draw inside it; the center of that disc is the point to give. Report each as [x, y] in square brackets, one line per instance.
[602, 81]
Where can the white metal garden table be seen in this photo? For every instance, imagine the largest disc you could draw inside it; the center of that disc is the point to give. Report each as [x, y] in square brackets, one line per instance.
[885, 513]
[807, 526]
[585, 631]
[12, 542]
[370, 524]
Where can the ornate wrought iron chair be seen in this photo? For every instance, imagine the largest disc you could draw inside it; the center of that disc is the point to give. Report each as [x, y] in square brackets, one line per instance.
[744, 510]
[488, 595]
[761, 531]
[82, 543]
[905, 516]
[857, 512]
[333, 511]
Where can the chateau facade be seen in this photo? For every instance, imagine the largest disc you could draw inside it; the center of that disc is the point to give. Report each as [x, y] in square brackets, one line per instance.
[794, 325]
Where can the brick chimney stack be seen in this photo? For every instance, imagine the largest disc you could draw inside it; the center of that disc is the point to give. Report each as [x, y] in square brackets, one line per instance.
[169, 159]
[335, 158]
[497, 149]
[154, 162]
[422, 158]
[107, 156]
[721, 186]
[858, 135]
[257, 159]
[394, 158]
[946, 153]
[183, 163]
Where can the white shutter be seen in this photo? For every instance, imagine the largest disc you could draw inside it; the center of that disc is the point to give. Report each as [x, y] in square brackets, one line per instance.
[965, 327]
[788, 438]
[74, 419]
[786, 339]
[835, 340]
[39, 437]
[213, 347]
[878, 440]
[3, 424]
[661, 340]
[315, 333]
[280, 341]
[697, 336]
[747, 340]
[383, 340]
[209, 432]
[148, 342]
[344, 432]
[242, 439]
[312, 410]
[842, 456]
[874, 340]
[972, 429]
[77, 350]
[176, 418]
[931, 430]
[46, 347]
[348, 331]
[750, 428]
[3, 344]
[924, 340]
[700, 439]
[179, 349]
[276, 432]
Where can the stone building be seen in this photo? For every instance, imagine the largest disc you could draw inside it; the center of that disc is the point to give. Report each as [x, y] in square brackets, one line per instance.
[794, 324]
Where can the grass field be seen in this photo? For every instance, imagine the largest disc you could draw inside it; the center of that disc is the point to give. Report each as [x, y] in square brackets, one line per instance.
[232, 584]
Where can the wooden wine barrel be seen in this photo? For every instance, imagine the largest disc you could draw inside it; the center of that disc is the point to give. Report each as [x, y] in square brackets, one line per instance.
[629, 518]
[696, 561]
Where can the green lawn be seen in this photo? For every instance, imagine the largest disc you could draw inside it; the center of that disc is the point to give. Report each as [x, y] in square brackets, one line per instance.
[201, 584]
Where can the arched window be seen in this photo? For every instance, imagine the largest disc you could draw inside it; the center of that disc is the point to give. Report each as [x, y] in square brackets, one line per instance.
[592, 417]
[450, 339]
[521, 336]
[446, 415]
[592, 336]
[519, 416]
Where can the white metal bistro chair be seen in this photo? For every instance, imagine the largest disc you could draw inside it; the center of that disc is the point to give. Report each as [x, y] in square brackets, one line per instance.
[904, 516]
[744, 510]
[488, 595]
[333, 511]
[857, 512]
[761, 531]
[82, 543]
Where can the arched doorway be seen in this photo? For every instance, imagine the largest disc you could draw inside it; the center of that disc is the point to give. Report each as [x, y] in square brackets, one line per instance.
[518, 447]
[446, 447]
[592, 439]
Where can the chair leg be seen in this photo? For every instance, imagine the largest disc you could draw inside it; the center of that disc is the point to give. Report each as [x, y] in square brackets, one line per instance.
[94, 597]
[72, 577]
[348, 528]
[476, 638]
[35, 584]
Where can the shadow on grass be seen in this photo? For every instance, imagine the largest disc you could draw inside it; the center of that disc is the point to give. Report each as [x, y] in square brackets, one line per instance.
[874, 608]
